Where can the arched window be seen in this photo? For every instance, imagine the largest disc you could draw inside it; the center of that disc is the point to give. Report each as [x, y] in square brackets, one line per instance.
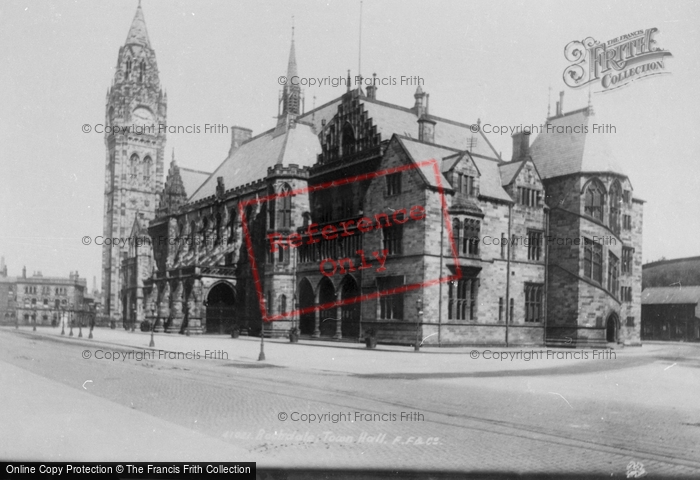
[272, 209]
[217, 237]
[142, 71]
[470, 238]
[147, 166]
[193, 235]
[283, 304]
[595, 199]
[615, 204]
[232, 226]
[134, 166]
[348, 139]
[285, 207]
[205, 233]
[128, 69]
[456, 233]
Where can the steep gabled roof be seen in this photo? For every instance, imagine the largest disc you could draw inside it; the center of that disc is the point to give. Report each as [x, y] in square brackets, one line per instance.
[392, 119]
[448, 163]
[569, 146]
[509, 171]
[420, 152]
[489, 179]
[192, 179]
[249, 162]
[325, 112]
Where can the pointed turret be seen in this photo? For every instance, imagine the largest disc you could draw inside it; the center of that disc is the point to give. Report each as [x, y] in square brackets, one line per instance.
[137, 33]
[292, 64]
[291, 93]
[174, 194]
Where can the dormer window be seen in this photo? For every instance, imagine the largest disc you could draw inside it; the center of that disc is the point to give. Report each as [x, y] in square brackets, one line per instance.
[465, 184]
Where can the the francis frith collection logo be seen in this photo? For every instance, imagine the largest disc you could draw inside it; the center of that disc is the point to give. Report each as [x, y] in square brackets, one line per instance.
[615, 63]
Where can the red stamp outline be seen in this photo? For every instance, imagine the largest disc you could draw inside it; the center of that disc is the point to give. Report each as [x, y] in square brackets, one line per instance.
[361, 298]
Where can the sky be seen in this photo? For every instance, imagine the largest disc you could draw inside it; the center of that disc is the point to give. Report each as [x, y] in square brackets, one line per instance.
[219, 62]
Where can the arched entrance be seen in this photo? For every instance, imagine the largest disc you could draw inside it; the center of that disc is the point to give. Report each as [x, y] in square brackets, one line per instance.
[306, 300]
[221, 303]
[326, 294]
[350, 313]
[611, 328]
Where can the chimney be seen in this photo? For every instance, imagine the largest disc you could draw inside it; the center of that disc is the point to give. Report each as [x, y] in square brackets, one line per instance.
[560, 103]
[239, 136]
[419, 106]
[426, 129]
[372, 89]
[24, 271]
[521, 145]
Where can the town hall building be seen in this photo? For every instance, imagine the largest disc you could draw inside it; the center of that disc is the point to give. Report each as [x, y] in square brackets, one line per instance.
[361, 216]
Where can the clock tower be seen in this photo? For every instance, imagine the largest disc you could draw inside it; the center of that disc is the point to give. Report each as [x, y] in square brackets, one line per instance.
[136, 108]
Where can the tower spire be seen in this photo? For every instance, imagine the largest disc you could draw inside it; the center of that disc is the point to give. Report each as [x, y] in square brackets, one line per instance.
[292, 63]
[138, 33]
[291, 92]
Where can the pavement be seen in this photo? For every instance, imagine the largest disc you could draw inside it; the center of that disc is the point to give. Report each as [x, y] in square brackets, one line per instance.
[354, 358]
[532, 409]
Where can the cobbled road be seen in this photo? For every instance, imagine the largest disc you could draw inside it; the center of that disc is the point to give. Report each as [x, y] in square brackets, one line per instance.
[578, 419]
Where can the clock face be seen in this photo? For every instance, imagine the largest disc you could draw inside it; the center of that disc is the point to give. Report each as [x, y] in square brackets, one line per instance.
[142, 117]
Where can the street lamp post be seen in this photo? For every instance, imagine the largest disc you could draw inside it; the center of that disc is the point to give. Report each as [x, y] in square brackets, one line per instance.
[133, 318]
[153, 327]
[296, 308]
[261, 357]
[91, 316]
[80, 324]
[70, 311]
[419, 309]
[62, 309]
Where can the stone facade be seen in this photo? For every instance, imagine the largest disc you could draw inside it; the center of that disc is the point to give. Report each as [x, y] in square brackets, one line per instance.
[366, 217]
[594, 290]
[48, 301]
[136, 107]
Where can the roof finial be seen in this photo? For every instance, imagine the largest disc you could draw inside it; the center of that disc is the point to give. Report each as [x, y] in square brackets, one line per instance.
[549, 102]
[292, 27]
[173, 155]
[590, 102]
